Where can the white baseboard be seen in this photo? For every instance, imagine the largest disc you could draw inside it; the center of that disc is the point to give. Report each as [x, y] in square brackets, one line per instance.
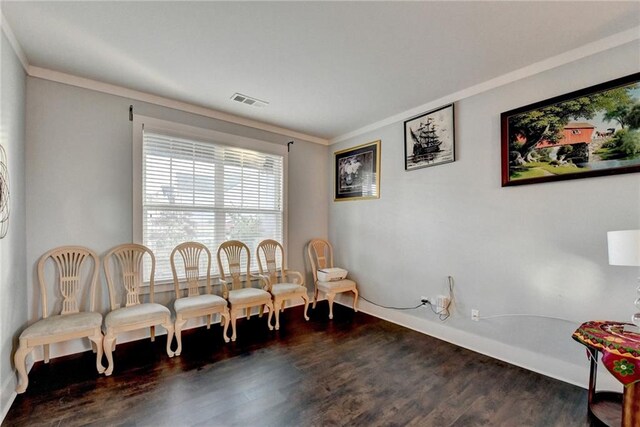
[8, 395]
[8, 392]
[532, 361]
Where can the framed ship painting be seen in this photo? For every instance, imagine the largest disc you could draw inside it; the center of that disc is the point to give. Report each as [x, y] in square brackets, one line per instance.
[357, 172]
[429, 139]
[589, 132]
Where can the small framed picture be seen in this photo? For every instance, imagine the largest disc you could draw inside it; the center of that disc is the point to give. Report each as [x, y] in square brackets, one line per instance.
[357, 172]
[429, 139]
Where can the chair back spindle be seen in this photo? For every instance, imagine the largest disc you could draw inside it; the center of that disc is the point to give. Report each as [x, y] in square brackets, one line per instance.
[321, 255]
[269, 250]
[69, 262]
[233, 250]
[128, 258]
[191, 253]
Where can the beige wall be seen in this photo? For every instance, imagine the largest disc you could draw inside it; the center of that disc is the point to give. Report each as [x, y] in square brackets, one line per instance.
[13, 287]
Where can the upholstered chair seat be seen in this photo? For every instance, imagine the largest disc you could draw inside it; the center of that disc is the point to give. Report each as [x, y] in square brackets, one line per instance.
[141, 313]
[75, 322]
[288, 288]
[337, 286]
[248, 296]
[184, 305]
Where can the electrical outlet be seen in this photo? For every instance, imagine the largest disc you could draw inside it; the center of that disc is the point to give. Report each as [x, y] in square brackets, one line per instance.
[475, 314]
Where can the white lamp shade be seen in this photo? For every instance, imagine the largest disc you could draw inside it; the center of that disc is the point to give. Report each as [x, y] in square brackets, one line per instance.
[624, 247]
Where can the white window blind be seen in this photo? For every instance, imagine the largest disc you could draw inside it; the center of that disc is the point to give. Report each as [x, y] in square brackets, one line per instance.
[208, 193]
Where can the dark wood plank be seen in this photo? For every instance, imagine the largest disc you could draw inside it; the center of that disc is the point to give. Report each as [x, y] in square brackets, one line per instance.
[354, 370]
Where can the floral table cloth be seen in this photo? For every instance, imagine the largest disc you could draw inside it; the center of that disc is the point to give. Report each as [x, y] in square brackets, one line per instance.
[620, 349]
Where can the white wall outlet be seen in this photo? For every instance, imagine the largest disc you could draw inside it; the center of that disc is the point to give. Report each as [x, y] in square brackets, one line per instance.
[475, 314]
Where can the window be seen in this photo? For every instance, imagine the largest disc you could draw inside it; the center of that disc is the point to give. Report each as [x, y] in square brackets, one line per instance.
[197, 190]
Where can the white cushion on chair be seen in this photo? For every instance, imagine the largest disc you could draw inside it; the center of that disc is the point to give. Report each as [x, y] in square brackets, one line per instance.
[198, 302]
[136, 313]
[337, 286]
[248, 295]
[54, 325]
[287, 288]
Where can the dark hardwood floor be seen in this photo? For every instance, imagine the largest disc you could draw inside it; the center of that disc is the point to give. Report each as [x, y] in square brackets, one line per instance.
[354, 370]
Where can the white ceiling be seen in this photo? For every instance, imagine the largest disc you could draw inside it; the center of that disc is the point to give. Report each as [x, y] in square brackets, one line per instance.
[326, 68]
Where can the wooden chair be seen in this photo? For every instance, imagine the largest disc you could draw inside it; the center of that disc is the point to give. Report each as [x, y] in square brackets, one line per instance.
[71, 323]
[275, 279]
[194, 304]
[320, 255]
[239, 296]
[135, 315]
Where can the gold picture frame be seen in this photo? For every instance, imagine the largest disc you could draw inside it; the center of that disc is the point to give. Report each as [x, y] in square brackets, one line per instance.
[357, 172]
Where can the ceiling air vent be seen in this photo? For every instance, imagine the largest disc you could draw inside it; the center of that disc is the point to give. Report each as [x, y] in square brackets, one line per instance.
[244, 99]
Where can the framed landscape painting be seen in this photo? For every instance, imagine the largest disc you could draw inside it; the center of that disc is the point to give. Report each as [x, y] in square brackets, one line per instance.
[590, 132]
[357, 172]
[429, 139]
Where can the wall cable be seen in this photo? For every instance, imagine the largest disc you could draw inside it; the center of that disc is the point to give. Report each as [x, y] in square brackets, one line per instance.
[526, 315]
[442, 314]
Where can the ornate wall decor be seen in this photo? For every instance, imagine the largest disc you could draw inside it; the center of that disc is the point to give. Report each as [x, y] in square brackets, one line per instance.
[4, 193]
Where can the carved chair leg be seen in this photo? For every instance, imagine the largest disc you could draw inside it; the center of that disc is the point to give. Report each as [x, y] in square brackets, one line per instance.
[355, 300]
[330, 298]
[109, 344]
[261, 312]
[270, 307]
[233, 315]
[306, 306]
[20, 360]
[168, 325]
[93, 347]
[152, 332]
[315, 298]
[178, 331]
[277, 304]
[209, 320]
[97, 342]
[46, 353]
[282, 305]
[224, 319]
[248, 313]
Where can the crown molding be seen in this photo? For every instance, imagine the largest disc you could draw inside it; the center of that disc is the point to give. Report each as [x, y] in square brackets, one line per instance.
[6, 29]
[589, 49]
[72, 80]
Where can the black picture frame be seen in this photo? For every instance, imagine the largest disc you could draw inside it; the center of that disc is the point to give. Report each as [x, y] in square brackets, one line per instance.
[429, 139]
[357, 172]
[572, 136]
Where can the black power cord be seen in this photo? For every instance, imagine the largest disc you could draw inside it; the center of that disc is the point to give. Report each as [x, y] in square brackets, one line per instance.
[424, 302]
[442, 314]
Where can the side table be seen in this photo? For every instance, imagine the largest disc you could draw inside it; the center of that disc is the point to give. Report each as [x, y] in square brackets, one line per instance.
[621, 356]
